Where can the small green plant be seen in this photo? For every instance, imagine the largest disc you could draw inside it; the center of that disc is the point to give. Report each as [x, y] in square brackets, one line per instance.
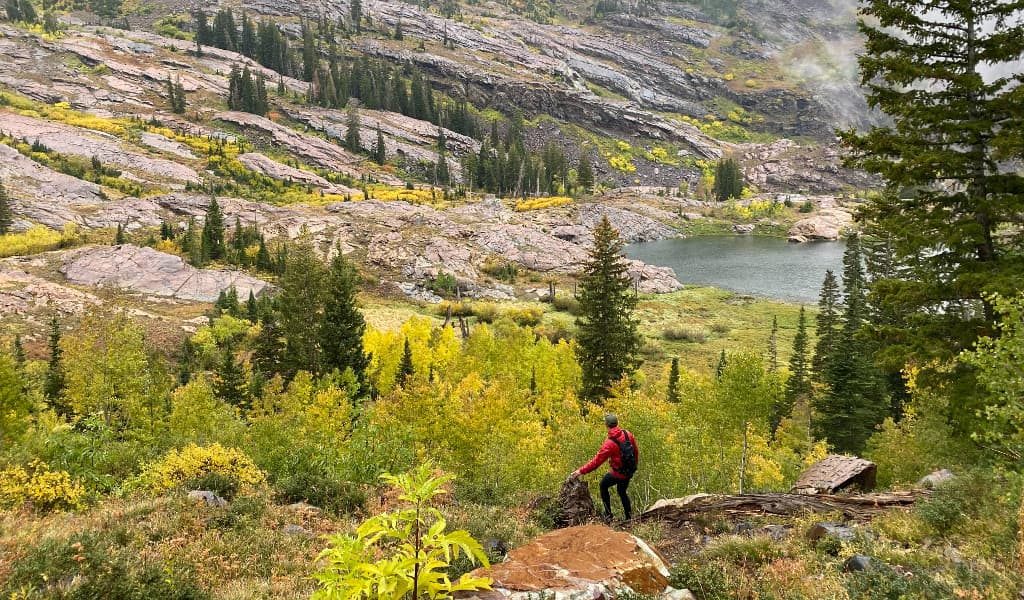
[444, 284]
[403, 553]
[807, 207]
[706, 581]
[696, 335]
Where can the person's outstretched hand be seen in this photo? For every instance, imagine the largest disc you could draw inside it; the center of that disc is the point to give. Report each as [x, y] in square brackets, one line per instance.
[574, 475]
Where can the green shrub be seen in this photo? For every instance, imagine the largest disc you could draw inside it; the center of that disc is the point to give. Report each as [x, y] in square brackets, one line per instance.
[99, 568]
[720, 328]
[243, 513]
[807, 207]
[317, 486]
[882, 582]
[566, 304]
[955, 502]
[525, 316]
[485, 312]
[745, 552]
[444, 284]
[695, 335]
[707, 581]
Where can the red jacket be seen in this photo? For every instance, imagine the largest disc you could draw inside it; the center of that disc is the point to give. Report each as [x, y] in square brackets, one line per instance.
[610, 451]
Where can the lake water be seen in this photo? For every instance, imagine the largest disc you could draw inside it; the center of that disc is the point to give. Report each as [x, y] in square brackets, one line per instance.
[758, 266]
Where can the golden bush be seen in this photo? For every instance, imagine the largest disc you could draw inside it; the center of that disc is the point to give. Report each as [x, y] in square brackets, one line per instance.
[193, 463]
[39, 487]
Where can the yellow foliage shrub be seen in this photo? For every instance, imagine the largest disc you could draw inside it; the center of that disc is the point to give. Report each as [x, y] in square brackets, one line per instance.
[41, 488]
[542, 203]
[37, 239]
[400, 194]
[622, 163]
[193, 463]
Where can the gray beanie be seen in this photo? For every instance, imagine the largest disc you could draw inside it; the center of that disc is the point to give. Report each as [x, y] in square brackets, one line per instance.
[611, 421]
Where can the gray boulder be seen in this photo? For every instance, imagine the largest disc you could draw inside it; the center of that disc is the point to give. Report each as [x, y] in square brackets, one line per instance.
[935, 479]
[296, 530]
[820, 531]
[858, 562]
[207, 497]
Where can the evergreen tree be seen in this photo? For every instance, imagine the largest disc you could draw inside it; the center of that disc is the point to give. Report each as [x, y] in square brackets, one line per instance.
[18, 352]
[264, 262]
[398, 31]
[798, 385]
[356, 14]
[13, 9]
[827, 325]
[855, 401]
[342, 328]
[722, 363]
[6, 213]
[773, 347]
[673, 394]
[107, 9]
[212, 241]
[51, 24]
[953, 213]
[204, 36]
[225, 32]
[352, 126]
[252, 309]
[230, 384]
[406, 369]
[119, 239]
[53, 384]
[250, 44]
[608, 340]
[728, 179]
[268, 349]
[300, 305]
[380, 151]
[585, 174]
[310, 54]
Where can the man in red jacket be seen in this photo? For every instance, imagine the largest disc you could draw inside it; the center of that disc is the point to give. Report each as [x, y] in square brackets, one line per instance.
[623, 454]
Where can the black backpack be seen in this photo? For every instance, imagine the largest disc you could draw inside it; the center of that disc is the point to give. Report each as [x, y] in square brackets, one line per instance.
[628, 454]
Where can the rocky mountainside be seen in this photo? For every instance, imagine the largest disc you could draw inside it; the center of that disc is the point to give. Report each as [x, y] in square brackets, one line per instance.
[651, 97]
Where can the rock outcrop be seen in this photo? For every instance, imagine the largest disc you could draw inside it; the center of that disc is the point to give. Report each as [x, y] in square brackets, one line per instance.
[589, 561]
[828, 225]
[148, 271]
[254, 161]
[22, 293]
[89, 144]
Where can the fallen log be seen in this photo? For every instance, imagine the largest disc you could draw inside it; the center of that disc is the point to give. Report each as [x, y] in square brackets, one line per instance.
[857, 508]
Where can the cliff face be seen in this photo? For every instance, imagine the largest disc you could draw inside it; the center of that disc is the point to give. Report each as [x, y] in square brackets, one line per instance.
[787, 63]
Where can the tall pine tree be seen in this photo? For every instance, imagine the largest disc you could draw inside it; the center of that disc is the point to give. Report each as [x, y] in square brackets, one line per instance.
[6, 214]
[341, 331]
[352, 126]
[938, 70]
[230, 384]
[406, 369]
[827, 325]
[212, 240]
[854, 402]
[53, 384]
[608, 340]
[300, 309]
[673, 394]
[798, 386]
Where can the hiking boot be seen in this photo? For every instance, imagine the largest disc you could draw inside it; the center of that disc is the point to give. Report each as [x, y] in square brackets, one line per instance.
[606, 518]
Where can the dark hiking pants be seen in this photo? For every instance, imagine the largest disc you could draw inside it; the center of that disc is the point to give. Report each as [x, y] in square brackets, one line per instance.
[621, 485]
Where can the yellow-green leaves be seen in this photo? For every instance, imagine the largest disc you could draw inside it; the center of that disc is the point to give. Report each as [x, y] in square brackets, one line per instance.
[401, 553]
